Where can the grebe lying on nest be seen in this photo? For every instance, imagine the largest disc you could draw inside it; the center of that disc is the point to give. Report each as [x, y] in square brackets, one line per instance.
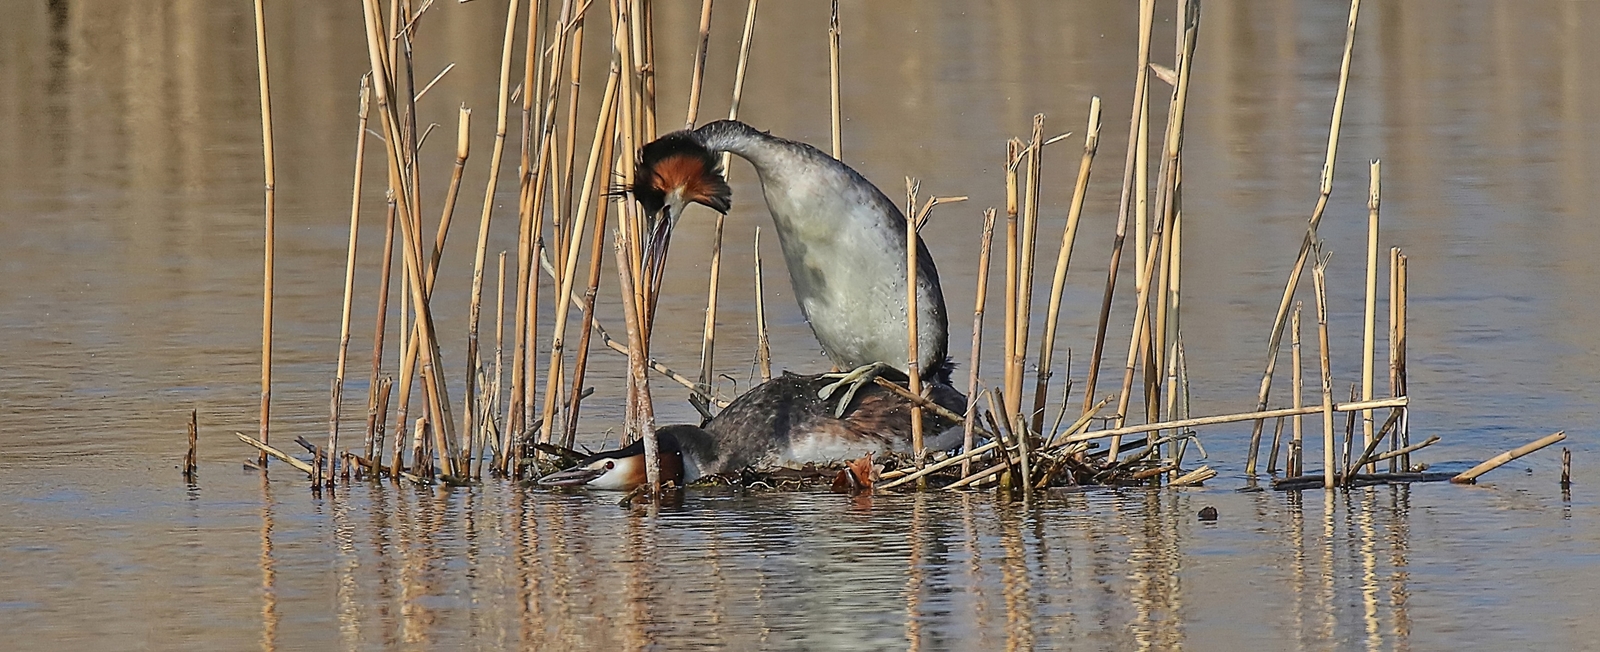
[779, 423]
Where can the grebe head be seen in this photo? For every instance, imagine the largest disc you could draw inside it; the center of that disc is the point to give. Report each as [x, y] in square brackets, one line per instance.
[624, 469]
[674, 171]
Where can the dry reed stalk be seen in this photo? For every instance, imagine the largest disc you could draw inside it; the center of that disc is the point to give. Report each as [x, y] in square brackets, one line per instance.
[1319, 279]
[1137, 343]
[1368, 339]
[1394, 306]
[269, 168]
[1566, 467]
[697, 78]
[1368, 455]
[913, 369]
[1173, 280]
[498, 463]
[436, 391]
[643, 423]
[763, 344]
[1277, 440]
[833, 81]
[599, 153]
[1047, 344]
[1169, 199]
[571, 148]
[1406, 450]
[378, 414]
[708, 334]
[965, 459]
[645, 25]
[349, 267]
[1400, 349]
[267, 449]
[1013, 159]
[1295, 467]
[1194, 477]
[1027, 246]
[1349, 431]
[580, 365]
[1326, 188]
[984, 249]
[1137, 124]
[191, 459]
[1470, 476]
[375, 417]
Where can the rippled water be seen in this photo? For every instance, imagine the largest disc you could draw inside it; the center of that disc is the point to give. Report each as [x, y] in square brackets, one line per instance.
[130, 247]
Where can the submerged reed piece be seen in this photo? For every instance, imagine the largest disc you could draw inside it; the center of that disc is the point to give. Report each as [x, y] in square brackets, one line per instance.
[1470, 476]
[267, 449]
[1566, 468]
[1326, 188]
[269, 168]
[191, 458]
[1091, 144]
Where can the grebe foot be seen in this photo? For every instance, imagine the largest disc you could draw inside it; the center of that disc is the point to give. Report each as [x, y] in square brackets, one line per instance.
[854, 378]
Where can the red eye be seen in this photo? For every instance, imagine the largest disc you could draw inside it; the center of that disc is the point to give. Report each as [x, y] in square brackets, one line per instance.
[610, 465]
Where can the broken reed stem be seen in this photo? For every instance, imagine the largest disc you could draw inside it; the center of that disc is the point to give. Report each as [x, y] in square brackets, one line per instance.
[1470, 476]
[349, 266]
[643, 423]
[1566, 467]
[1167, 193]
[833, 80]
[1375, 404]
[191, 459]
[269, 169]
[1306, 244]
[1091, 143]
[763, 344]
[967, 420]
[1294, 467]
[1027, 245]
[913, 369]
[1013, 159]
[697, 79]
[1368, 341]
[1319, 279]
[1136, 124]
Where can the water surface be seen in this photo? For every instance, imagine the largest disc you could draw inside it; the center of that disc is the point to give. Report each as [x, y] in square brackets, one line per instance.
[130, 196]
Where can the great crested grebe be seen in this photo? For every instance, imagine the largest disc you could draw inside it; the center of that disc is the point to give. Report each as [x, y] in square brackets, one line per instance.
[843, 240]
[781, 422]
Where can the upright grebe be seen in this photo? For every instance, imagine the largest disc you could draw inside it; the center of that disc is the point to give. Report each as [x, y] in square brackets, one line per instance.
[781, 422]
[844, 244]
[843, 240]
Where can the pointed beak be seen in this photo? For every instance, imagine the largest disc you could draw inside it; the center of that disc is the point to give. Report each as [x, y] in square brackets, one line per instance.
[571, 477]
[660, 240]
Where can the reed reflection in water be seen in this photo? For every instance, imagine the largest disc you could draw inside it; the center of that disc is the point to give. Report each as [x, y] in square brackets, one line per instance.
[1103, 569]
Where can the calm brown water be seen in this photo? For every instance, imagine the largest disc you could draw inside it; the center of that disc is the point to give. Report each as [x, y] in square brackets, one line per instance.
[130, 245]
